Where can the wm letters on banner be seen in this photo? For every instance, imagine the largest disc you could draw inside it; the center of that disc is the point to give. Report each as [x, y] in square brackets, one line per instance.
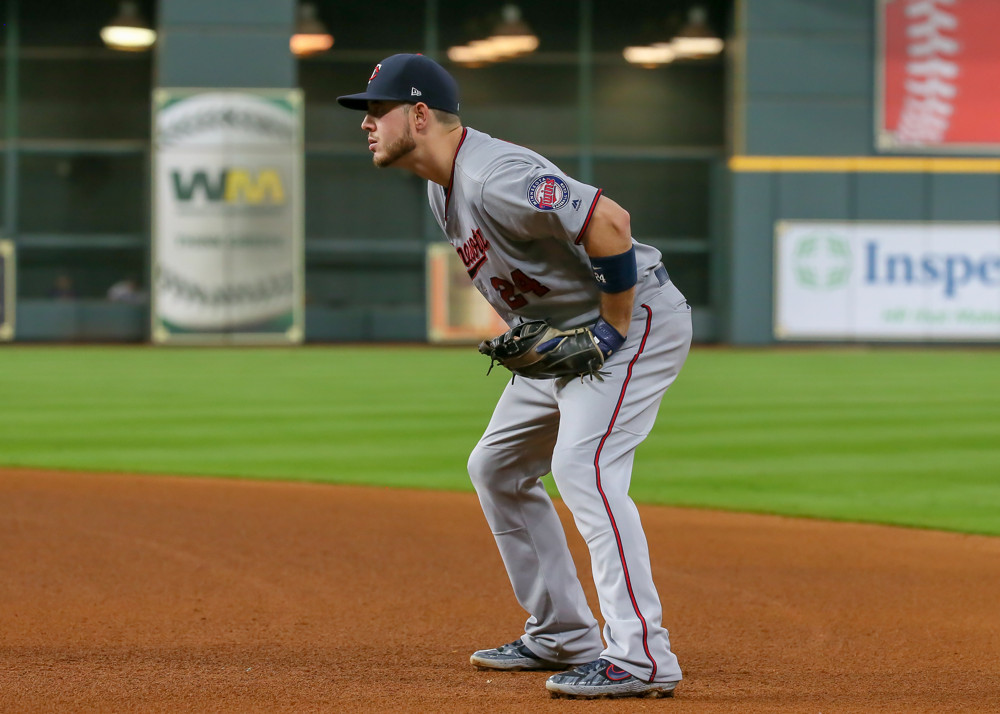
[227, 228]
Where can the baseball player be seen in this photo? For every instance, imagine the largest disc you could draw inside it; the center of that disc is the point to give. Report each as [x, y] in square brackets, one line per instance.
[540, 245]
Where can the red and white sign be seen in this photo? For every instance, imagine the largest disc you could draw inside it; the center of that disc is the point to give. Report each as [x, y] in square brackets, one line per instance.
[939, 75]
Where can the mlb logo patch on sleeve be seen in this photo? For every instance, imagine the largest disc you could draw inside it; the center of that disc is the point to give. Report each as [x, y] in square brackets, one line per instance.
[548, 193]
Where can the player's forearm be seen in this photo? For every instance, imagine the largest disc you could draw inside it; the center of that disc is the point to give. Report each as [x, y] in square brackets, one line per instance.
[609, 235]
[616, 309]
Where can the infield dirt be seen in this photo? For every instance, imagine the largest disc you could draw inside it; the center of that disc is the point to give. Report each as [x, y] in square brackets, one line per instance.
[154, 594]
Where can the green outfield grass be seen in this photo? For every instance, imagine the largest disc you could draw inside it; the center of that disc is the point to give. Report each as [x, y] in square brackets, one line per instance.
[890, 435]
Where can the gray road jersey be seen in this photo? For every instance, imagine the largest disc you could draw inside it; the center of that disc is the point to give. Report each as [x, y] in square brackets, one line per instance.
[517, 221]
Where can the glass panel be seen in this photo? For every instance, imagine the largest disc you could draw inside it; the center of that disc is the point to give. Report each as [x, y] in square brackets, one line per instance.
[385, 27]
[532, 105]
[347, 282]
[3, 92]
[77, 273]
[83, 194]
[350, 198]
[664, 198]
[93, 98]
[676, 105]
[690, 273]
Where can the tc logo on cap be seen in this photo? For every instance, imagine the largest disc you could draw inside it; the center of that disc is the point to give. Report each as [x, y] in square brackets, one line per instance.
[375, 72]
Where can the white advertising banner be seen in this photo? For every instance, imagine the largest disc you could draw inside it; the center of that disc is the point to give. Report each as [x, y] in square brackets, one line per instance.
[7, 291]
[227, 216]
[887, 281]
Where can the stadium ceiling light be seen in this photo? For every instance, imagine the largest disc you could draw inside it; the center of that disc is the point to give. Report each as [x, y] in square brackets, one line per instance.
[475, 54]
[311, 35]
[129, 31]
[650, 56]
[696, 39]
[511, 38]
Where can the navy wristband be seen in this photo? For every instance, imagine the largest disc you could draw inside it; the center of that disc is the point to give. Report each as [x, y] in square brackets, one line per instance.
[608, 338]
[615, 273]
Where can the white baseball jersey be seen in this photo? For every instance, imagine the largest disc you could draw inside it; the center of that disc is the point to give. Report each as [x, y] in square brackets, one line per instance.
[517, 221]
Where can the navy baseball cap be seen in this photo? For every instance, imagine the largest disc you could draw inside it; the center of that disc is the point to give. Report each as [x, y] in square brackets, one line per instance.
[408, 78]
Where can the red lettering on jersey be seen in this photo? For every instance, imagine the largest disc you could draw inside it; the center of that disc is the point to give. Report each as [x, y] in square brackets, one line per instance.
[473, 252]
[548, 198]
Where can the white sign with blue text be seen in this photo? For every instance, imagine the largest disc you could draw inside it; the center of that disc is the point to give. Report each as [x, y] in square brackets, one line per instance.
[917, 281]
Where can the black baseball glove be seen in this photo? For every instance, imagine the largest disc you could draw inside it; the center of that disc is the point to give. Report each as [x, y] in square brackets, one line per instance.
[537, 350]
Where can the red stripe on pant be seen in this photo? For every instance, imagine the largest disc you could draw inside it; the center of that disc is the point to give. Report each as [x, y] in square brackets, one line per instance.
[607, 506]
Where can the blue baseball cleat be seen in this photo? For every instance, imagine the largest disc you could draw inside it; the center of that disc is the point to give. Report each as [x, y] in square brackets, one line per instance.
[602, 679]
[513, 657]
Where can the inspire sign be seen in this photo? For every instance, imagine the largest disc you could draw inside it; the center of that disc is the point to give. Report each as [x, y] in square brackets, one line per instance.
[887, 281]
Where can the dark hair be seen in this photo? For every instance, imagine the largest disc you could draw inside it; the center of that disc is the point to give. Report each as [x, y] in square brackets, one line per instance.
[445, 118]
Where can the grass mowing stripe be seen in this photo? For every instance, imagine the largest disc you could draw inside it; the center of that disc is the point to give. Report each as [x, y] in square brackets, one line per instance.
[893, 435]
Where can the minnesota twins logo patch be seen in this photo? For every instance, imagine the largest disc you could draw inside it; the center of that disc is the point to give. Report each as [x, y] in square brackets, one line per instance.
[548, 193]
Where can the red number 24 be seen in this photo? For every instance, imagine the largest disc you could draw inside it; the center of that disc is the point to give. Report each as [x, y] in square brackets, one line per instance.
[511, 292]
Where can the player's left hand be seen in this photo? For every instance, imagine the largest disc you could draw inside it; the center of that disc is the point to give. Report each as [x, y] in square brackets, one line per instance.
[608, 338]
[537, 350]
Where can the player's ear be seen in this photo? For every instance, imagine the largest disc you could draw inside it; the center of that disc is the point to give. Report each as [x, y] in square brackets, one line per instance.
[421, 115]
